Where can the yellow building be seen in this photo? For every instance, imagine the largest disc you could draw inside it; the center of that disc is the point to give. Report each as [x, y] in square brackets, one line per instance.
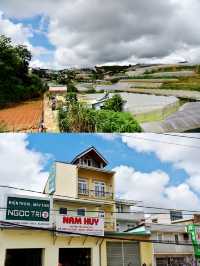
[82, 190]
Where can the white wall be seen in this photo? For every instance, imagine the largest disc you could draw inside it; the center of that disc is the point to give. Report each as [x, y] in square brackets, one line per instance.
[66, 180]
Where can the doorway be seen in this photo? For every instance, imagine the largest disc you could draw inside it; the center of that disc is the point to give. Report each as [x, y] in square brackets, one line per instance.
[75, 257]
[25, 257]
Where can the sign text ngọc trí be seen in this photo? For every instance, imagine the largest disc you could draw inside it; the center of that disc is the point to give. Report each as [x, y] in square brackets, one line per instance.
[80, 225]
[25, 209]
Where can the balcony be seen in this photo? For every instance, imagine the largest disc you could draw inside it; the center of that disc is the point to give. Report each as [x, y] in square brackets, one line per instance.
[173, 249]
[95, 194]
[135, 217]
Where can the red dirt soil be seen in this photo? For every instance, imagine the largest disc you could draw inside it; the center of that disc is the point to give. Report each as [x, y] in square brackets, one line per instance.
[25, 117]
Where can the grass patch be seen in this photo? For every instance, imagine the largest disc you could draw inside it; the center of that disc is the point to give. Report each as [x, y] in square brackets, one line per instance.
[158, 115]
[3, 127]
[186, 83]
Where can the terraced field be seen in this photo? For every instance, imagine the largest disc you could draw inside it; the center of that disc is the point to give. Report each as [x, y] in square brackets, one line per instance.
[25, 117]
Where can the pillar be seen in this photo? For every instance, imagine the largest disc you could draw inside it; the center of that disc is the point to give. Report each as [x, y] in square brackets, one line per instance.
[146, 253]
[95, 256]
[2, 256]
[50, 256]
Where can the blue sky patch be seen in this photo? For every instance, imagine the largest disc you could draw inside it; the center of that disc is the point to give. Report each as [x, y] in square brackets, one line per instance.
[64, 147]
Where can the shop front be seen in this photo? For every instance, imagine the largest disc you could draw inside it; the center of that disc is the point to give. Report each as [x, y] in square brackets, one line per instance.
[25, 257]
[74, 257]
[123, 254]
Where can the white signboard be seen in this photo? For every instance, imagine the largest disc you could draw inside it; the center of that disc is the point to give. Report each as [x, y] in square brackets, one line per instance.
[80, 225]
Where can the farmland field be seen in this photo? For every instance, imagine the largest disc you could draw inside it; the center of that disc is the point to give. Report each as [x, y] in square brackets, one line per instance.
[24, 117]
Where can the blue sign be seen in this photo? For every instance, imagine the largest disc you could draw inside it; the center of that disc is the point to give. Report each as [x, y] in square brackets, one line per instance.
[52, 179]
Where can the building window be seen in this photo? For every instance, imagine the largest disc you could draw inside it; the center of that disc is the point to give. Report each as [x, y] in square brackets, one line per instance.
[81, 212]
[185, 237]
[63, 211]
[101, 214]
[99, 189]
[155, 221]
[176, 215]
[82, 187]
[176, 238]
[120, 208]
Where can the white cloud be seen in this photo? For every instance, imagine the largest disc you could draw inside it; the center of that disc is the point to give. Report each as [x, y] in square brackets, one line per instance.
[17, 32]
[153, 189]
[21, 34]
[20, 166]
[108, 136]
[105, 31]
[179, 154]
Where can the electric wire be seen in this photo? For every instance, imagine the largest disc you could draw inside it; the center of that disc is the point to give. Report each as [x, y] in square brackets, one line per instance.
[133, 136]
[112, 201]
[54, 230]
[108, 212]
[186, 136]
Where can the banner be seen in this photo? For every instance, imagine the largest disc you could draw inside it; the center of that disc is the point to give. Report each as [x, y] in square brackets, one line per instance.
[27, 210]
[80, 225]
[194, 231]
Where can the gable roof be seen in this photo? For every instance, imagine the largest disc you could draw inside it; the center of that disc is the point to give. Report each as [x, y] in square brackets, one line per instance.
[91, 149]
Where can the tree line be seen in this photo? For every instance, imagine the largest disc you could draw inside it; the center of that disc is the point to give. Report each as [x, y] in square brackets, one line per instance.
[16, 82]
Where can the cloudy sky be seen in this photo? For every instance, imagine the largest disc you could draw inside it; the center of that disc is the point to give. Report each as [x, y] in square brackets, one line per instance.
[158, 170]
[83, 33]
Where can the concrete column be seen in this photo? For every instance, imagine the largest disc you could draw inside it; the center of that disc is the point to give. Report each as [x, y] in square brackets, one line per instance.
[146, 251]
[50, 256]
[95, 256]
[2, 256]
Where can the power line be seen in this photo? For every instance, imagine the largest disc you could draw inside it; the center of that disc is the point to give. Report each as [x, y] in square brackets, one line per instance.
[114, 201]
[187, 136]
[160, 141]
[53, 230]
[108, 212]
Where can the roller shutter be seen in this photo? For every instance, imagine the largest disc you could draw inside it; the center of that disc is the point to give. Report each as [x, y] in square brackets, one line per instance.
[123, 254]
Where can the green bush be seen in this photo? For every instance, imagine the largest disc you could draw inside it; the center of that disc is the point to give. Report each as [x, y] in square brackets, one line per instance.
[80, 118]
[71, 87]
[114, 80]
[114, 104]
[71, 97]
[109, 122]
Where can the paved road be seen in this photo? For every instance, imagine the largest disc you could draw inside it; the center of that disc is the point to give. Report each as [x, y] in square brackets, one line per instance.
[187, 118]
[50, 117]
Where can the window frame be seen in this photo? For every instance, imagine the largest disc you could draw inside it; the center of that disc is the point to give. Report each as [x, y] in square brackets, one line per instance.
[81, 190]
[65, 210]
[160, 234]
[100, 193]
[78, 209]
[100, 214]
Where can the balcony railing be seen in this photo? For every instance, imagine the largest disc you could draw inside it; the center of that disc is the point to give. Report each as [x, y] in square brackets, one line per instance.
[129, 216]
[173, 249]
[95, 194]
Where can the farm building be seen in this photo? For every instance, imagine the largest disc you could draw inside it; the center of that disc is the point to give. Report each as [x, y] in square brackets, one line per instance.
[57, 90]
